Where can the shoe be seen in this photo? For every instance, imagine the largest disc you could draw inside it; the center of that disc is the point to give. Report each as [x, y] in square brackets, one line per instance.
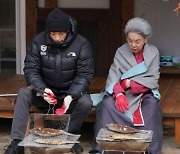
[147, 152]
[13, 148]
[94, 152]
[77, 148]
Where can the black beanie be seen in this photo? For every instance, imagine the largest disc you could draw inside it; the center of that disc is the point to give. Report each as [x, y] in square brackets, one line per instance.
[57, 21]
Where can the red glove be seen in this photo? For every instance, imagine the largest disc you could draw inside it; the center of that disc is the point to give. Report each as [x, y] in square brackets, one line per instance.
[121, 102]
[49, 96]
[67, 101]
[125, 84]
[61, 110]
[117, 89]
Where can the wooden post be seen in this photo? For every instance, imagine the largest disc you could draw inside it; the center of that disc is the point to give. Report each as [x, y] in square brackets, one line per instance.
[50, 3]
[177, 130]
[31, 18]
[127, 13]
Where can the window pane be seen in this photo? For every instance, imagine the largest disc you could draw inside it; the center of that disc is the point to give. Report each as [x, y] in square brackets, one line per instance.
[7, 37]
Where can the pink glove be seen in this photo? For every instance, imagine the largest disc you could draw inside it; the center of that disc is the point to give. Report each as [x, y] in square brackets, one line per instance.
[61, 110]
[67, 101]
[49, 96]
[121, 102]
[117, 89]
[125, 84]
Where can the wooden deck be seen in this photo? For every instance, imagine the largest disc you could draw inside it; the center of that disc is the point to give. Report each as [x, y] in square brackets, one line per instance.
[169, 89]
[170, 102]
[12, 84]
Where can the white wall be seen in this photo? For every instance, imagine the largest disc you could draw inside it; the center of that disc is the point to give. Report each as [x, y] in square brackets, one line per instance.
[84, 4]
[164, 22]
[100, 4]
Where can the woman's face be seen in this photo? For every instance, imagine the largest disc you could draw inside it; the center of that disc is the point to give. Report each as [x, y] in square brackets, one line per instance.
[135, 42]
[58, 37]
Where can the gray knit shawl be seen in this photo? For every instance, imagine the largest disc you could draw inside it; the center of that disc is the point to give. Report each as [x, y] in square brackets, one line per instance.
[125, 60]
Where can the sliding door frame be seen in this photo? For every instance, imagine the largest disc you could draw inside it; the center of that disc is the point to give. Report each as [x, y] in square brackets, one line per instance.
[20, 35]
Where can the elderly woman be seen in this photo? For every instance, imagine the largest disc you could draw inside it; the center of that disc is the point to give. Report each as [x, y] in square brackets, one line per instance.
[132, 87]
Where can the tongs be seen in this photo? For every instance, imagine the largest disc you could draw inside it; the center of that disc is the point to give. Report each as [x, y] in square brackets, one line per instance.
[41, 93]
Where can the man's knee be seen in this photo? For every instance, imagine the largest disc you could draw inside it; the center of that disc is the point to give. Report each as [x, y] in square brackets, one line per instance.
[25, 91]
[85, 101]
[24, 95]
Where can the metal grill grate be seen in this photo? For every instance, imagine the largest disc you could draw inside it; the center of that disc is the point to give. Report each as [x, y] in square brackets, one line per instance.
[51, 129]
[134, 141]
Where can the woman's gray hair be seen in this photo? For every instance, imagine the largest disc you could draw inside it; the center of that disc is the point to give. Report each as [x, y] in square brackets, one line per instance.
[138, 25]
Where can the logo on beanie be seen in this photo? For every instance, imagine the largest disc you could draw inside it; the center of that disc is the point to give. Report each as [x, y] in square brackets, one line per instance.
[43, 49]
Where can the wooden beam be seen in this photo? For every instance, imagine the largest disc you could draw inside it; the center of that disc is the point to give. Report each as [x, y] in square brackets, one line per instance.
[78, 14]
[31, 17]
[177, 130]
[50, 3]
[127, 13]
[168, 121]
[6, 114]
[115, 17]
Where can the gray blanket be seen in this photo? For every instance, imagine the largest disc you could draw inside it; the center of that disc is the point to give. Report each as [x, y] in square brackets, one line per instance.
[124, 60]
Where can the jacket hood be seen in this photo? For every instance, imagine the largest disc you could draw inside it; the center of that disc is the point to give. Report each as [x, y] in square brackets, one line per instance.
[70, 36]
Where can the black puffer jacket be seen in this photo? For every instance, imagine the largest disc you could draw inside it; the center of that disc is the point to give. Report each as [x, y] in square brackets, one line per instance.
[65, 68]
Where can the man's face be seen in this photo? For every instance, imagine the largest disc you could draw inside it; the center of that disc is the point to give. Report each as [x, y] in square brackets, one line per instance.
[58, 37]
[136, 42]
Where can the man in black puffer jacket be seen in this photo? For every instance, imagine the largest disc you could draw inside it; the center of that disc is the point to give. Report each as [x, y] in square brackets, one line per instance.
[58, 64]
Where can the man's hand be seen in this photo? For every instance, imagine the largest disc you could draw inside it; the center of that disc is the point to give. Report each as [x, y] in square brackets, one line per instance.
[67, 101]
[49, 96]
[121, 102]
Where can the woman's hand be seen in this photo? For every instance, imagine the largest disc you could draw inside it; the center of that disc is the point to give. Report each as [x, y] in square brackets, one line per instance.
[121, 102]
